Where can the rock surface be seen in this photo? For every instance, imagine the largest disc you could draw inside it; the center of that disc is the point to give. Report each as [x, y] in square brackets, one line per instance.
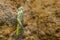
[41, 19]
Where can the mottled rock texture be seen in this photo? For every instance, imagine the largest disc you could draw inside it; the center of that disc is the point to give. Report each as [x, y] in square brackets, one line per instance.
[41, 19]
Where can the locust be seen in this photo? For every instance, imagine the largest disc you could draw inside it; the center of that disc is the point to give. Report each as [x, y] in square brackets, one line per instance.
[20, 19]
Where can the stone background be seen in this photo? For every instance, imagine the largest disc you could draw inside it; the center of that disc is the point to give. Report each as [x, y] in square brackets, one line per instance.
[41, 19]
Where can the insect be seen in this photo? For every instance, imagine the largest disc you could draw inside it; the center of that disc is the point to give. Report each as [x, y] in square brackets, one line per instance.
[19, 18]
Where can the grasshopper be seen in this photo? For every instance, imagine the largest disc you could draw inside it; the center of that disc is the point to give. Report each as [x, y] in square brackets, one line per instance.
[19, 18]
